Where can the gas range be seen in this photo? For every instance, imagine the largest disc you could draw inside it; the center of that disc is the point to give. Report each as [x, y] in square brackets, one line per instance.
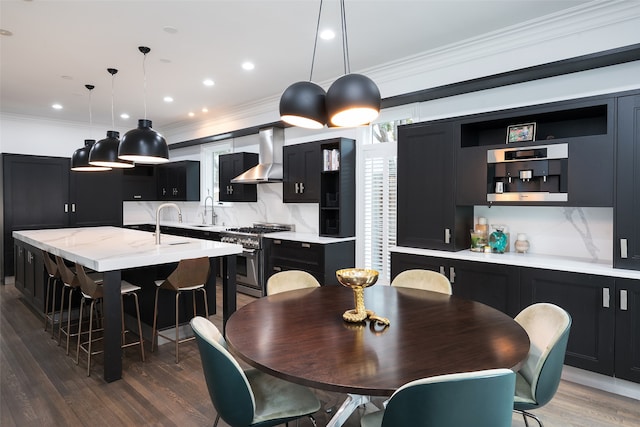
[251, 237]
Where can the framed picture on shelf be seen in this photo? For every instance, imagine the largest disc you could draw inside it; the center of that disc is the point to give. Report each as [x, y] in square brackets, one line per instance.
[521, 133]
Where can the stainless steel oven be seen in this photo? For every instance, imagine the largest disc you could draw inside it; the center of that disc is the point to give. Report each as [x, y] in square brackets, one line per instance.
[250, 264]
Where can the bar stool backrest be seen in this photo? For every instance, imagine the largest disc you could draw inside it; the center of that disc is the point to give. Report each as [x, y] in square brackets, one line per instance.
[68, 277]
[87, 284]
[189, 272]
[50, 265]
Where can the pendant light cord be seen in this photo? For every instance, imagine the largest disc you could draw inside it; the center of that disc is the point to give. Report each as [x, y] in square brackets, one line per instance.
[90, 109]
[113, 126]
[144, 83]
[315, 42]
[345, 44]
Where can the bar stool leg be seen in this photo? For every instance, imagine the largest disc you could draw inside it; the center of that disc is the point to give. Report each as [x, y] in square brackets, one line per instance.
[154, 331]
[82, 304]
[177, 328]
[135, 296]
[68, 290]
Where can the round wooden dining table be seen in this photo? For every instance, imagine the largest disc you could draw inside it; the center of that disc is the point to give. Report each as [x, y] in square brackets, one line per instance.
[300, 336]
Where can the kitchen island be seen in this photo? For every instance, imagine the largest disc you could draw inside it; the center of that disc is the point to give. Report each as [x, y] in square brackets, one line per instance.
[110, 250]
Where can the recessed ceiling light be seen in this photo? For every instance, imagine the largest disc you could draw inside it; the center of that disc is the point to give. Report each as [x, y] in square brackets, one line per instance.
[327, 35]
[191, 114]
[205, 110]
[169, 29]
[4, 32]
[248, 65]
[56, 107]
[168, 99]
[208, 82]
[124, 116]
[66, 77]
[165, 60]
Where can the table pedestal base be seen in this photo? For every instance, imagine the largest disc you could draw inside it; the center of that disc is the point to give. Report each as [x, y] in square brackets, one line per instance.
[350, 404]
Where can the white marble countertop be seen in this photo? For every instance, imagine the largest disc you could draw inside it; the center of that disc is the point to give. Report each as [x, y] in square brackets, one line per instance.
[575, 265]
[114, 248]
[307, 237]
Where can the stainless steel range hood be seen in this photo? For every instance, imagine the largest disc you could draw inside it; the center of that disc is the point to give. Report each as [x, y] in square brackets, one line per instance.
[269, 168]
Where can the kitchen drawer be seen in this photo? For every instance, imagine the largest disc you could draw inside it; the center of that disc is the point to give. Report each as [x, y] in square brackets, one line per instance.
[301, 254]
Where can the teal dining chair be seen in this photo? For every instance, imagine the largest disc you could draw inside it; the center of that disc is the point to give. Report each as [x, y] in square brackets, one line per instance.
[537, 381]
[248, 398]
[479, 399]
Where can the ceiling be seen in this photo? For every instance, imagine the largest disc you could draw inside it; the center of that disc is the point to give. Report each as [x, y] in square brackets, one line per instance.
[57, 47]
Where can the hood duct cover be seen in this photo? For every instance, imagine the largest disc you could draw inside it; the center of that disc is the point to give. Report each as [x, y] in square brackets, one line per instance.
[269, 168]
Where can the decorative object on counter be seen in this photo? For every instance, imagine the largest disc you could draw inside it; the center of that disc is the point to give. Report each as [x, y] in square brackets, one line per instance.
[499, 239]
[521, 244]
[143, 144]
[479, 235]
[105, 152]
[303, 103]
[521, 133]
[352, 100]
[80, 157]
[358, 279]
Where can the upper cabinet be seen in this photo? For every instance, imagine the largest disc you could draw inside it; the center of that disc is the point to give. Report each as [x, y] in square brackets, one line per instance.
[427, 214]
[301, 180]
[558, 154]
[179, 181]
[230, 166]
[139, 183]
[338, 188]
[626, 244]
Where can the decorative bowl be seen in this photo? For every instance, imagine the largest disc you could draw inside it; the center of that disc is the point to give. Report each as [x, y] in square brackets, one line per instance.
[357, 277]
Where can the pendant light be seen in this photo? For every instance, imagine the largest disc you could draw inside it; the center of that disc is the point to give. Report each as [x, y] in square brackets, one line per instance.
[80, 157]
[105, 152]
[143, 144]
[303, 103]
[353, 99]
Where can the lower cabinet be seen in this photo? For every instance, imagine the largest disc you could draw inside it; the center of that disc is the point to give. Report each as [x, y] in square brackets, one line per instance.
[30, 275]
[319, 260]
[491, 284]
[605, 311]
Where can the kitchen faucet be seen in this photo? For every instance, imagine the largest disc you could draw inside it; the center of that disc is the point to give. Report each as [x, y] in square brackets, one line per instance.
[165, 205]
[213, 213]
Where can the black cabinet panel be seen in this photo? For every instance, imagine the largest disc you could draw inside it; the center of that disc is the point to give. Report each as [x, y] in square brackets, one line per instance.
[96, 198]
[230, 166]
[627, 349]
[626, 244]
[179, 181]
[139, 183]
[427, 214]
[588, 299]
[338, 188]
[301, 175]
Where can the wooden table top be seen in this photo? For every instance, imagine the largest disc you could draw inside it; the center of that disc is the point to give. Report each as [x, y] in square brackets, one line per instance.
[300, 336]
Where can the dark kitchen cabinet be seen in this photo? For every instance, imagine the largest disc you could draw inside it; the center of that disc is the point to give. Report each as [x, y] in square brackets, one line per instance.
[427, 213]
[179, 181]
[139, 183]
[319, 260]
[42, 192]
[230, 166]
[338, 188]
[626, 242]
[492, 284]
[30, 275]
[301, 174]
[627, 350]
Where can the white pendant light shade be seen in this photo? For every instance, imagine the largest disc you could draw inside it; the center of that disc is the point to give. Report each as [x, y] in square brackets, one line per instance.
[143, 145]
[352, 100]
[80, 159]
[105, 152]
[303, 104]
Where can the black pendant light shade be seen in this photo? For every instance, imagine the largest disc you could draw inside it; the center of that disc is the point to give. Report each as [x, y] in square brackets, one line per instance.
[144, 145]
[80, 159]
[352, 100]
[303, 104]
[105, 152]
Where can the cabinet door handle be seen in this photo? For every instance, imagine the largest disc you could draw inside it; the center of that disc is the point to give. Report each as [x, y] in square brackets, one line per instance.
[277, 268]
[623, 299]
[73, 207]
[447, 235]
[606, 298]
[66, 208]
[137, 196]
[296, 188]
[442, 270]
[277, 242]
[452, 275]
[623, 248]
[301, 188]
[306, 245]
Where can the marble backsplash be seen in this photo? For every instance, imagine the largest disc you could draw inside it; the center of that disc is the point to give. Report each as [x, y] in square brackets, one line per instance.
[268, 208]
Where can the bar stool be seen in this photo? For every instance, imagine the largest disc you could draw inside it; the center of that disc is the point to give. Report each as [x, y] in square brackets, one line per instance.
[189, 275]
[52, 282]
[94, 291]
[70, 285]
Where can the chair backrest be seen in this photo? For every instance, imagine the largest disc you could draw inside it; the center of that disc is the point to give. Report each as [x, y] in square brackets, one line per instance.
[189, 272]
[228, 386]
[87, 284]
[50, 265]
[290, 280]
[423, 279]
[548, 328]
[479, 399]
[68, 277]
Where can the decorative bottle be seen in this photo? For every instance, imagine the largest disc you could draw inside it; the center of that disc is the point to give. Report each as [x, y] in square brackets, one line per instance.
[498, 240]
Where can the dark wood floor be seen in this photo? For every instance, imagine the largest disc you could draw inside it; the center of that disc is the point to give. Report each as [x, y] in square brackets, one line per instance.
[41, 386]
